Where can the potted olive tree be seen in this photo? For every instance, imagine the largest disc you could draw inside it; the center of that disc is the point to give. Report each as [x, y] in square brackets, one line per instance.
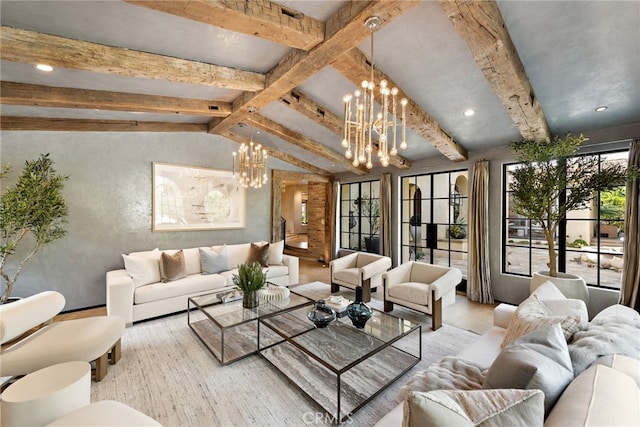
[32, 214]
[546, 169]
[370, 209]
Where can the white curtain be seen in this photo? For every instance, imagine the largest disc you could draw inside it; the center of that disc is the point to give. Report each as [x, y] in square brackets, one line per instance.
[479, 273]
[385, 214]
[630, 292]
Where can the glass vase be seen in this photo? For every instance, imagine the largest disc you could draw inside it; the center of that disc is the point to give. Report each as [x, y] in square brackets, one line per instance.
[250, 299]
[358, 311]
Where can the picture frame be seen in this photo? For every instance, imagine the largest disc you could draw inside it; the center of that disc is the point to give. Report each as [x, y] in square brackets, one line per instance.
[191, 198]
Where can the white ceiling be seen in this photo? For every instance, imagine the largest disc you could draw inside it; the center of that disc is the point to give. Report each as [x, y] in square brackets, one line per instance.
[577, 55]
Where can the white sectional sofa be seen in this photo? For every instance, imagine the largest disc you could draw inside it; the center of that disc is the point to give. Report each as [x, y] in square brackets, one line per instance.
[138, 292]
[604, 392]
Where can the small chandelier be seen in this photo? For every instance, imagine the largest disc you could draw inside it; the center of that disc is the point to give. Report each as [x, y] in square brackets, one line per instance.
[360, 122]
[251, 162]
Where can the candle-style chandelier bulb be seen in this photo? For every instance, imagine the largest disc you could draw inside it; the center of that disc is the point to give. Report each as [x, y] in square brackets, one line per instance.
[360, 122]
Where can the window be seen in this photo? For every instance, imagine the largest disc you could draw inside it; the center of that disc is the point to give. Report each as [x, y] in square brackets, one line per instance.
[434, 212]
[591, 246]
[360, 216]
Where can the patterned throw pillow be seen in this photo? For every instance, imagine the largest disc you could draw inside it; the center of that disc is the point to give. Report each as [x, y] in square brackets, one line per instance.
[532, 315]
[172, 267]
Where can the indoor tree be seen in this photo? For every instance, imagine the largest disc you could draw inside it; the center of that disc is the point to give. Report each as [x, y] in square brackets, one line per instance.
[32, 213]
[552, 180]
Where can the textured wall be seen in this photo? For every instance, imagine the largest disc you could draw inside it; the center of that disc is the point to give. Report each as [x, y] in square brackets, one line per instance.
[109, 199]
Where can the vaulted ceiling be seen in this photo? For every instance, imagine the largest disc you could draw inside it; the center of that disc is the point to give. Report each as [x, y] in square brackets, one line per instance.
[529, 69]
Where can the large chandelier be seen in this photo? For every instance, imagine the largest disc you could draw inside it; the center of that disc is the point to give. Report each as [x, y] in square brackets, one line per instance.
[360, 122]
[250, 162]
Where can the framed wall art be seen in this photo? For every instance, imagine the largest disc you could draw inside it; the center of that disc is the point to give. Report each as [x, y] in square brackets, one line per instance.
[194, 198]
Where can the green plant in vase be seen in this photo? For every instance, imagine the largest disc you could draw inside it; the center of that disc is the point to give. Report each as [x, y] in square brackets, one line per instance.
[250, 279]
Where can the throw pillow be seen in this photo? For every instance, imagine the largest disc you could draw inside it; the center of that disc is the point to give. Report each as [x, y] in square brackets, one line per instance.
[275, 253]
[259, 253]
[548, 290]
[539, 360]
[214, 261]
[172, 267]
[532, 315]
[143, 267]
[474, 407]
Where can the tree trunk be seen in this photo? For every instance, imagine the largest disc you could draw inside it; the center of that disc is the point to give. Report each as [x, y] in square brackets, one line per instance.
[553, 267]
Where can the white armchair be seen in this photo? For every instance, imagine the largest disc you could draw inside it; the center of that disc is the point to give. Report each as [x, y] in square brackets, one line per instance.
[91, 339]
[422, 287]
[359, 269]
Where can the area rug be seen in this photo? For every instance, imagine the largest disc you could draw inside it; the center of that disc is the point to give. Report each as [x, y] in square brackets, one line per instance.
[168, 374]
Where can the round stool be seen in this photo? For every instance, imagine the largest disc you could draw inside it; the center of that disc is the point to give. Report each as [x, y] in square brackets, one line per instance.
[106, 413]
[47, 394]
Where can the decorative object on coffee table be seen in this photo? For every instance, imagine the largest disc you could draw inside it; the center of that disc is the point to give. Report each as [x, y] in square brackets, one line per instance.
[358, 311]
[249, 280]
[273, 293]
[321, 315]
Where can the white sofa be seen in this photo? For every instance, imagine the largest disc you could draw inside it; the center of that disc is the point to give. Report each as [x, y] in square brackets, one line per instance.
[136, 292]
[607, 393]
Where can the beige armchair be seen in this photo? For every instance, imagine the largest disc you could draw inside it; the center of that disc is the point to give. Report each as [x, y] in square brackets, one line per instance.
[422, 287]
[359, 269]
[92, 339]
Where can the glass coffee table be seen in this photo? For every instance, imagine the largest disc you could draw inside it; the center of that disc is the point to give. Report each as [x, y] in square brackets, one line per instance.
[230, 331]
[341, 368]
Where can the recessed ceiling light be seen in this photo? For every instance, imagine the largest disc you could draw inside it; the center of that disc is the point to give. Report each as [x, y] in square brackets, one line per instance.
[601, 108]
[44, 67]
[468, 113]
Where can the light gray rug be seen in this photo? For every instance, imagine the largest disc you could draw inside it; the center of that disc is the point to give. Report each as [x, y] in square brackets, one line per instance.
[167, 373]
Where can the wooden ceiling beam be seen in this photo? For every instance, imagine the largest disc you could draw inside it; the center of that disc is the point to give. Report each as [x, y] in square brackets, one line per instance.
[59, 97]
[89, 125]
[260, 18]
[264, 123]
[32, 48]
[306, 106]
[344, 30]
[355, 66]
[229, 134]
[483, 29]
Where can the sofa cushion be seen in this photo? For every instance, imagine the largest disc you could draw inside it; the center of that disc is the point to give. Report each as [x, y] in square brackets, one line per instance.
[192, 260]
[532, 315]
[539, 360]
[599, 396]
[191, 284]
[259, 252]
[417, 293]
[143, 267]
[276, 252]
[214, 260]
[348, 275]
[625, 364]
[474, 407]
[172, 267]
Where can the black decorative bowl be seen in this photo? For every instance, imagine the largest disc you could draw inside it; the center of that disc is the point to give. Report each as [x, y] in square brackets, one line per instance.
[321, 315]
